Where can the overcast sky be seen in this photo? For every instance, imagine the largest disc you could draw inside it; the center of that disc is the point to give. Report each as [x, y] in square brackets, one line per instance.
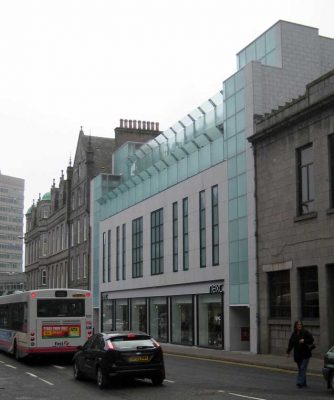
[68, 63]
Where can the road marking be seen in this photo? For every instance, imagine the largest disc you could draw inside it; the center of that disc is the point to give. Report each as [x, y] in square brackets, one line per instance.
[10, 366]
[246, 397]
[43, 380]
[58, 366]
[33, 375]
[167, 380]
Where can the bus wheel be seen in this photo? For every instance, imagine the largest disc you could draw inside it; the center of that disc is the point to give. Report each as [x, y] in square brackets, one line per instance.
[15, 352]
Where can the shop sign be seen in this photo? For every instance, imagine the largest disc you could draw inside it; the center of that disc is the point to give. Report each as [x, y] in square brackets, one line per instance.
[216, 288]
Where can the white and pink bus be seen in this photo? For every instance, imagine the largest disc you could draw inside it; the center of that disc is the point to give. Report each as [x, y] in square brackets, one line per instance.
[46, 321]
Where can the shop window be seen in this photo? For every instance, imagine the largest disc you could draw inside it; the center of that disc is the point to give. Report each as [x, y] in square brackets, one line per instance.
[122, 315]
[210, 320]
[279, 294]
[309, 292]
[139, 315]
[107, 306]
[182, 320]
[159, 318]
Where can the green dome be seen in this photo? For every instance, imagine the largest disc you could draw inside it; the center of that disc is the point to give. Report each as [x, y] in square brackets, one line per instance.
[29, 210]
[47, 196]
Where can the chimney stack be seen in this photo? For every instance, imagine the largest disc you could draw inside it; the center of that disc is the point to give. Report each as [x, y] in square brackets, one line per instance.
[135, 124]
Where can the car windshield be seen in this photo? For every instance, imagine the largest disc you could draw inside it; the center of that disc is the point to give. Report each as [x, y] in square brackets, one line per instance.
[128, 342]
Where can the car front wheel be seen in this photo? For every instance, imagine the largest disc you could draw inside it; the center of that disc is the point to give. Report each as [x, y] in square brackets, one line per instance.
[331, 380]
[101, 378]
[157, 379]
[76, 371]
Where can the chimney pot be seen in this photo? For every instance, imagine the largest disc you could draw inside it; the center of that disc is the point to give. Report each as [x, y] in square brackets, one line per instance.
[157, 126]
[139, 124]
[144, 125]
[152, 126]
[125, 123]
[121, 122]
[130, 123]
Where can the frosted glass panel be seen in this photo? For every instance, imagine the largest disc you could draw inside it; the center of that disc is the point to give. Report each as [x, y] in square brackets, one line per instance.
[234, 294]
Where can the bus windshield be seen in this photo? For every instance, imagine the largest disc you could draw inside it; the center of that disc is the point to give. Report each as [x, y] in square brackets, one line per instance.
[61, 308]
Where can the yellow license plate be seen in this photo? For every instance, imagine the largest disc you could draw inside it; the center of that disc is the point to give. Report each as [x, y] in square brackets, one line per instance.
[139, 359]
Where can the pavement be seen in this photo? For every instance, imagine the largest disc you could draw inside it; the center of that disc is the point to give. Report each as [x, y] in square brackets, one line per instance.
[245, 358]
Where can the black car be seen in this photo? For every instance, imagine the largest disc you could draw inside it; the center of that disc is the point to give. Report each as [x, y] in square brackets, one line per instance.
[119, 354]
[328, 369]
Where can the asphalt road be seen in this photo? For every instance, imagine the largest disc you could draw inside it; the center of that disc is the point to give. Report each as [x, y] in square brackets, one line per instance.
[187, 378]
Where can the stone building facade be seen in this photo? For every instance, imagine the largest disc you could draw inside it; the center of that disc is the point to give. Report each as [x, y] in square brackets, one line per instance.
[57, 237]
[294, 179]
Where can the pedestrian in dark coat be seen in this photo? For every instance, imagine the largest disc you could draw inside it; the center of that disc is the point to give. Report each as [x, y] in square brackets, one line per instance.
[301, 341]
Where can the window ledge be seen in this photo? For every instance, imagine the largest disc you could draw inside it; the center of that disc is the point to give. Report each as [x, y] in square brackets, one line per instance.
[304, 217]
[330, 211]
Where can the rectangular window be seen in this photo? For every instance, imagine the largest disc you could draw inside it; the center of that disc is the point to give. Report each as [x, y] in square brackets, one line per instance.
[202, 229]
[279, 294]
[78, 267]
[305, 175]
[157, 242]
[79, 232]
[109, 256]
[85, 228]
[175, 238]
[104, 257]
[117, 253]
[123, 251]
[72, 234]
[44, 277]
[84, 265]
[185, 234]
[137, 247]
[215, 225]
[309, 292]
[331, 169]
[72, 269]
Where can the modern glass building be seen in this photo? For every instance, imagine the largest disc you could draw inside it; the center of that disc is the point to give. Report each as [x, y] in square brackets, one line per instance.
[11, 224]
[173, 232]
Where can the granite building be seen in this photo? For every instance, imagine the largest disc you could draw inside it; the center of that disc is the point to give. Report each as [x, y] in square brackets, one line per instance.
[294, 183]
